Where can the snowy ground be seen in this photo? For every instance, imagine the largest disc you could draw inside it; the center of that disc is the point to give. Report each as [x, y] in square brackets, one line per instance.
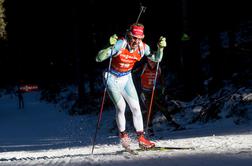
[41, 135]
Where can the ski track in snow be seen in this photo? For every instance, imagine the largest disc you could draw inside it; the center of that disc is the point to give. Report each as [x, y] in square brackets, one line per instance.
[231, 149]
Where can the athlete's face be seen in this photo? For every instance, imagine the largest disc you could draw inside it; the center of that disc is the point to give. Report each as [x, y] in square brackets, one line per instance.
[134, 42]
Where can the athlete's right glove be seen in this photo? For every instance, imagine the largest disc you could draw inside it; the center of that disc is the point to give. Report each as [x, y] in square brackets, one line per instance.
[113, 39]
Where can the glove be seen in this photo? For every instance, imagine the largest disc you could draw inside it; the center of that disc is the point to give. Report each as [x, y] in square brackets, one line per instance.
[162, 42]
[163, 90]
[142, 96]
[113, 39]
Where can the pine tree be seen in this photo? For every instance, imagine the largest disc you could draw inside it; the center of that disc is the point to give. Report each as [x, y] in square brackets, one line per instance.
[3, 34]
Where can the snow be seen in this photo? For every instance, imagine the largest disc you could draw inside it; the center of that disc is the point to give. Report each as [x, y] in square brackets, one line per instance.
[40, 134]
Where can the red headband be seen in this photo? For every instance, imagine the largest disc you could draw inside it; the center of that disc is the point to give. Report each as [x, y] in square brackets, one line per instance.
[137, 31]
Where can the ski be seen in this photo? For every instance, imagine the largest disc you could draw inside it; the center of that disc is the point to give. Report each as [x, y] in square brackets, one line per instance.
[131, 151]
[164, 148]
[157, 148]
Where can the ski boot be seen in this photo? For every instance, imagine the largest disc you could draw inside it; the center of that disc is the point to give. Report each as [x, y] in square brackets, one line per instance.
[143, 142]
[124, 139]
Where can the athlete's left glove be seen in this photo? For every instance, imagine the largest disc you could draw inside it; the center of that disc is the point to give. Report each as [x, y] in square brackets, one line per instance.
[113, 39]
[162, 42]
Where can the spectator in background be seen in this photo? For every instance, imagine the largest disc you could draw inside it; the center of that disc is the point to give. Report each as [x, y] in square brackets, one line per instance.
[20, 96]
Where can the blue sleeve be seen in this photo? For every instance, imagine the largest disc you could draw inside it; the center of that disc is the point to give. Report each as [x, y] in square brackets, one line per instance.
[117, 47]
[147, 50]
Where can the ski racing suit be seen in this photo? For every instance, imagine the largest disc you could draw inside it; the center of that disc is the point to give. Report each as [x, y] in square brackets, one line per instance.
[121, 88]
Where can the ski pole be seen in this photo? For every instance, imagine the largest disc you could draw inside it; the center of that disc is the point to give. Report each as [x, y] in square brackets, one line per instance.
[142, 10]
[102, 104]
[152, 95]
